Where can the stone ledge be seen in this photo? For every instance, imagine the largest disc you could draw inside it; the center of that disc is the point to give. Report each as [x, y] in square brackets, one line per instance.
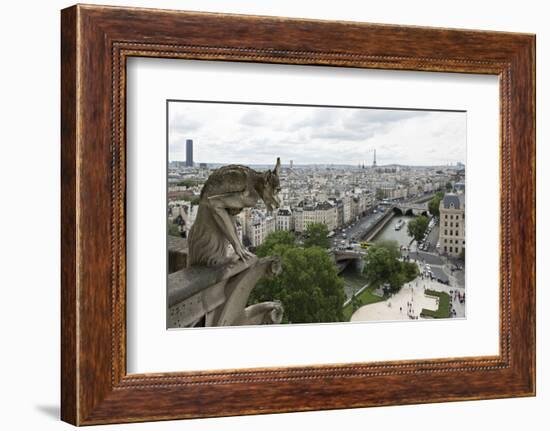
[187, 282]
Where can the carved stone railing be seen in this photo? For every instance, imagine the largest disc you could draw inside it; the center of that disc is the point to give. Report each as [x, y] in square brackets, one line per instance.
[217, 296]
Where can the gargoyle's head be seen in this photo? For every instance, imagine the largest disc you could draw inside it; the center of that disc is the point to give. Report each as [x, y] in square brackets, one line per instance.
[272, 187]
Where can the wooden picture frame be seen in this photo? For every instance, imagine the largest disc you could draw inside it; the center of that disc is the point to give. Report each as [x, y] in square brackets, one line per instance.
[95, 43]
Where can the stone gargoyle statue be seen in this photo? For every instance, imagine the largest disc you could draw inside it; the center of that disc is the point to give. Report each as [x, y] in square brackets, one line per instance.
[225, 193]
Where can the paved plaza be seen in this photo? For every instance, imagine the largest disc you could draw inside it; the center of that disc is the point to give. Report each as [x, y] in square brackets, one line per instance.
[409, 302]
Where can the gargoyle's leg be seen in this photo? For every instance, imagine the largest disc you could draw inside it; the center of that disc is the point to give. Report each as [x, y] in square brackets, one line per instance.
[221, 203]
[227, 226]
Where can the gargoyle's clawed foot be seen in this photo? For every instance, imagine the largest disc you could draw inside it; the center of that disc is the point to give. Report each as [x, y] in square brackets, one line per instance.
[243, 253]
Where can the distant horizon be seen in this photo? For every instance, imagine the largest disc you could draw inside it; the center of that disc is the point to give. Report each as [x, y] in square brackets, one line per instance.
[253, 134]
[325, 164]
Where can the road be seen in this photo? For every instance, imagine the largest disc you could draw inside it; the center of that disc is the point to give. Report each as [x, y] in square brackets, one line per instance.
[441, 266]
[433, 239]
[356, 229]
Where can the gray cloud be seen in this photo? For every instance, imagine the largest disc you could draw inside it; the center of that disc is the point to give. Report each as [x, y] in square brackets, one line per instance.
[185, 124]
[383, 116]
[254, 118]
[256, 134]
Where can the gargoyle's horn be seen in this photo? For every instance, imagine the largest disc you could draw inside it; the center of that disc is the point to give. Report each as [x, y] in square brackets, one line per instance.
[277, 166]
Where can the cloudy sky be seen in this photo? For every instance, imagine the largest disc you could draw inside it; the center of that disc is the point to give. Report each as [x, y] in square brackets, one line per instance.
[257, 134]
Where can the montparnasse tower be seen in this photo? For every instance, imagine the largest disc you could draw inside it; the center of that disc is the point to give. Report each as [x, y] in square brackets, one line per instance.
[374, 160]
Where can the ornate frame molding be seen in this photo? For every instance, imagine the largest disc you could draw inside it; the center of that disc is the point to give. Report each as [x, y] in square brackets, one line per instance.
[96, 41]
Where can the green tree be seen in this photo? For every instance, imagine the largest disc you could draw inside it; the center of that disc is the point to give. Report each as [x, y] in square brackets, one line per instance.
[382, 266]
[187, 183]
[433, 205]
[449, 186]
[173, 229]
[316, 235]
[308, 286]
[417, 227]
[194, 200]
[281, 237]
[410, 271]
[380, 194]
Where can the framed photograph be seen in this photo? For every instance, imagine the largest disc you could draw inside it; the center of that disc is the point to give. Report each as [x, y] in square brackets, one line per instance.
[387, 233]
[282, 206]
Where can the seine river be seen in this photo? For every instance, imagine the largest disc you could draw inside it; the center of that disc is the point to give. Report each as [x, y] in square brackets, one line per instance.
[390, 234]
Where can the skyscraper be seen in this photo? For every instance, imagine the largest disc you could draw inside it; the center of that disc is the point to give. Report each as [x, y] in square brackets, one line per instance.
[189, 153]
[374, 161]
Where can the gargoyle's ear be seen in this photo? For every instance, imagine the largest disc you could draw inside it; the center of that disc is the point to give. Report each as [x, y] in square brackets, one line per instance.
[277, 166]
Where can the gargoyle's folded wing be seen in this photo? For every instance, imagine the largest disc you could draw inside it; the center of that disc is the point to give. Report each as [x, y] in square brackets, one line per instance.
[228, 179]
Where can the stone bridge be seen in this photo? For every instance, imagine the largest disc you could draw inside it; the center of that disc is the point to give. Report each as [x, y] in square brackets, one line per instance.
[411, 208]
[344, 258]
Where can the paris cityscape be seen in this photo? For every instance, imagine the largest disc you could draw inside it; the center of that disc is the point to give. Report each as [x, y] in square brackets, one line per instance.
[379, 237]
